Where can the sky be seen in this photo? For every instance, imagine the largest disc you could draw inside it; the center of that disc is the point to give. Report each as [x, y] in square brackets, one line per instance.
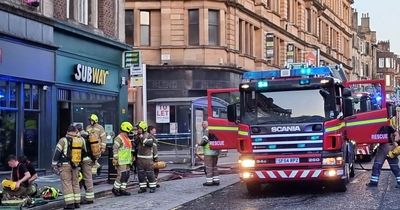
[384, 18]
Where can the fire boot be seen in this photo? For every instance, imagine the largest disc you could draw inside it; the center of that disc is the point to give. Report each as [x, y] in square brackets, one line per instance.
[116, 192]
[207, 184]
[123, 192]
[87, 202]
[142, 190]
[77, 206]
[152, 190]
[69, 206]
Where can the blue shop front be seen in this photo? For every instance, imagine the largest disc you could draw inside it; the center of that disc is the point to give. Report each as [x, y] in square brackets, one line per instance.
[89, 80]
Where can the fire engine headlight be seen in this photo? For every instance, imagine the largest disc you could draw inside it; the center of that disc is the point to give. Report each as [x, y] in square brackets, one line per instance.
[247, 163]
[332, 161]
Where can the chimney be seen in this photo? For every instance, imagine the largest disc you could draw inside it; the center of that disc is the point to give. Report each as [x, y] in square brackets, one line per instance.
[365, 23]
[355, 19]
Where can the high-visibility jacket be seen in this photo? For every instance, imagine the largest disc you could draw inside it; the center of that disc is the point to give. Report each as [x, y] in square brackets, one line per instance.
[206, 143]
[123, 149]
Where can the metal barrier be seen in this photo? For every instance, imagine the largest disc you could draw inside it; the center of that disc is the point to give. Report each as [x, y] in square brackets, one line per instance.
[174, 147]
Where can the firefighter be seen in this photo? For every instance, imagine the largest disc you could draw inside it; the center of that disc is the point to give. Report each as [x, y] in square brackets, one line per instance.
[87, 164]
[97, 136]
[145, 159]
[122, 158]
[210, 158]
[152, 133]
[382, 155]
[18, 185]
[66, 159]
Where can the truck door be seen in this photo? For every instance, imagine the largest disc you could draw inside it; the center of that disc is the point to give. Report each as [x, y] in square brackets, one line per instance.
[369, 127]
[222, 133]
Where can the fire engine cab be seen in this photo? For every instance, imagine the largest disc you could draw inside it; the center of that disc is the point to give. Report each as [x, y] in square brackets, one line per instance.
[296, 125]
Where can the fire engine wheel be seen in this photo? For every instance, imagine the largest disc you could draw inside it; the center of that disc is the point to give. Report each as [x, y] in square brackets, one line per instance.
[253, 188]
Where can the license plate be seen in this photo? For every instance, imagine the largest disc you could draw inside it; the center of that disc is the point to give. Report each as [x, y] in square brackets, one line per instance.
[287, 160]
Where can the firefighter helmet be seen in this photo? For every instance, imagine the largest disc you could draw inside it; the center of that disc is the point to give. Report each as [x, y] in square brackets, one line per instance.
[142, 125]
[8, 184]
[160, 165]
[94, 118]
[48, 193]
[126, 127]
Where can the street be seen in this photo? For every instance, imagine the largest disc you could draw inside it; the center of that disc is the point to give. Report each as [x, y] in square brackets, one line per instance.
[232, 194]
[306, 196]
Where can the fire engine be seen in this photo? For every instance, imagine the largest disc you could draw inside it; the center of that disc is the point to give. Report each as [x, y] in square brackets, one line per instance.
[296, 125]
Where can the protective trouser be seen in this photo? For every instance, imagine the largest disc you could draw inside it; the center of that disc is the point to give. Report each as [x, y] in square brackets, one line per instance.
[380, 157]
[146, 173]
[210, 161]
[70, 184]
[156, 172]
[88, 179]
[21, 192]
[121, 181]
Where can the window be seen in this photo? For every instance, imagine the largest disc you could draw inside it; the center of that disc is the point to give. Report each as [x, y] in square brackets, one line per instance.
[8, 136]
[241, 22]
[194, 27]
[308, 15]
[288, 10]
[387, 63]
[83, 11]
[129, 27]
[93, 13]
[388, 82]
[145, 28]
[213, 27]
[70, 9]
[31, 97]
[381, 63]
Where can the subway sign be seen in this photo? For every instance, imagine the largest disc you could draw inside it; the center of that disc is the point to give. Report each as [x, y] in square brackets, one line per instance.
[91, 75]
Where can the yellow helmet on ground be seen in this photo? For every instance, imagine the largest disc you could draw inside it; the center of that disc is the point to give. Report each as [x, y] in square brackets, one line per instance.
[94, 118]
[142, 125]
[126, 127]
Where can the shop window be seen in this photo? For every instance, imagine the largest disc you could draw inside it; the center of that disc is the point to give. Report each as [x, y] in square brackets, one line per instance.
[129, 27]
[31, 136]
[145, 28]
[35, 97]
[13, 95]
[7, 137]
[213, 27]
[27, 96]
[194, 27]
[31, 97]
[3, 93]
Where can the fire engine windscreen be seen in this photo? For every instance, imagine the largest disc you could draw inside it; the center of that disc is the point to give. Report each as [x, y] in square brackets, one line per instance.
[294, 106]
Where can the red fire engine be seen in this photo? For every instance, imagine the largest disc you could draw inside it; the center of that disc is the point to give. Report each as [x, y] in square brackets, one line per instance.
[296, 124]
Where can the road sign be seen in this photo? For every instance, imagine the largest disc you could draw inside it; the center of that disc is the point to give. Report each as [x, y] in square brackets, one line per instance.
[132, 58]
[134, 71]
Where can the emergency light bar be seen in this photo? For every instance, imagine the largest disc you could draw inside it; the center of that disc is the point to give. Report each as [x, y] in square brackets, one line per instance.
[298, 72]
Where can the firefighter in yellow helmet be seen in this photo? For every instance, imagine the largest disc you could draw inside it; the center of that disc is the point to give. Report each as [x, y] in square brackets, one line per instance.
[67, 157]
[145, 158]
[122, 158]
[97, 136]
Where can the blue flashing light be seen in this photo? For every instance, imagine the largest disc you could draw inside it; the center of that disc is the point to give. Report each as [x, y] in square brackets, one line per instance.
[258, 140]
[262, 84]
[305, 82]
[314, 137]
[297, 72]
[378, 98]
[301, 145]
[272, 147]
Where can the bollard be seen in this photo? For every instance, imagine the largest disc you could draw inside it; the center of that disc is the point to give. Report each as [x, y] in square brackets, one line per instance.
[112, 172]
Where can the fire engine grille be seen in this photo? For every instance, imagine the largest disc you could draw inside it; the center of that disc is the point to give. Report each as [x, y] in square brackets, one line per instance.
[291, 143]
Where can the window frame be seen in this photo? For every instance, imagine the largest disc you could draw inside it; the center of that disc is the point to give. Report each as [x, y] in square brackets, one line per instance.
[132, 41]
[147, 25]
[217, 25]
[191, 40]
[83, 11]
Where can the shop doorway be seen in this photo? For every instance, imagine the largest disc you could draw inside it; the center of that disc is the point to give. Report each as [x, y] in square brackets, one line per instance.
[64, 118]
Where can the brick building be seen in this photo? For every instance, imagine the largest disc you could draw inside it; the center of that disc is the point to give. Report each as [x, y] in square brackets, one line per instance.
[52, 54]
[194, 45]
[364, 49]
[387, 67]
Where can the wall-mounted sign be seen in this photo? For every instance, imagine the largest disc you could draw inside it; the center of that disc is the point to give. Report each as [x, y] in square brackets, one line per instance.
[90, 74]
[269, 45]
[162, 114]
[290, 53]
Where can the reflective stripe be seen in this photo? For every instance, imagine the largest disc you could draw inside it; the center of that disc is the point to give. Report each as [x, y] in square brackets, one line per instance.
[89, 195]
[145, 156]
[365, 122]
[115, 155]
[243, 133]
[223, 128]
[141, 185]
[118, 144]
[87, 158]
[123, 186]
[59, 147]
[335, 128]
[103, 134]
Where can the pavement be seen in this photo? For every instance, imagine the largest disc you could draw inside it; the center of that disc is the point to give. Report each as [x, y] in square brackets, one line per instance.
[190, 181]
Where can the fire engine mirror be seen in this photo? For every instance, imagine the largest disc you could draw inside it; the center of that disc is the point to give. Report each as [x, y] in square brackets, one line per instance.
[348, 107]
[346, 92]
[233, 112]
